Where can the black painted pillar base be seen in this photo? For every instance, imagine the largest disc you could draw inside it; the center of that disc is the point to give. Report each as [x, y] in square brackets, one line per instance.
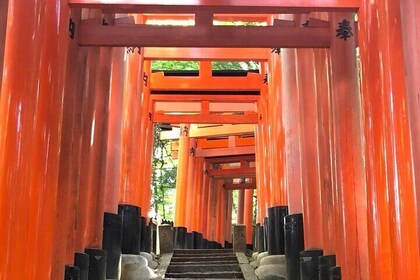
[190, 240]
[335, 273]
[180, 237]
[197, 240]
[131, 231]
[309, 264]
[97, 263]
[325, 263]
[276, 216]
[265, 228]
[81, 260]
[111, 243]
[71, 273]
[293, 231]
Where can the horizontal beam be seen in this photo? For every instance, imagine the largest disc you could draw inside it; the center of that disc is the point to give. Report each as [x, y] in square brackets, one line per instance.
[252, 82]
[91, 34]
[217, 6]
[209, 54]
[199, 97]
[231, 159]
[240, 186]
[251, 118]
[243, 172]
[209, 131]
[221, 152]
[194, 107]
[223, 130]
[216, 17]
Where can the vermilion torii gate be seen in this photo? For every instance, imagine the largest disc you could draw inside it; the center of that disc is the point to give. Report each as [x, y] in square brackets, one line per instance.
[76, 133]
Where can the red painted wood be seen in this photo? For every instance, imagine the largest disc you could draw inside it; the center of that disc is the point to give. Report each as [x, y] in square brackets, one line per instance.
[114, 145]
[410, 26]
[69, 166]
[391, 191]
[203, 37]
[349, 196]
[234, 6]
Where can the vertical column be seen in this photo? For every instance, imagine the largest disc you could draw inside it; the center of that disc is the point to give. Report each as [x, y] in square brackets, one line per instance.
[190, 188]
[241, 201]
[17, 113]
[146, 143]
[3, 23]
[204, 200]
[248, 214]
[182, 176]
[212, 210]
[291, 122]
[278, 192]
[324, 127]
[309, 161]
[220, 213]
[392, 212]
[47, 137]
[199, 192]
[410, 23]
[131, 129]
[228, 235]
[349, 178]
[69, 166]
[114, 145]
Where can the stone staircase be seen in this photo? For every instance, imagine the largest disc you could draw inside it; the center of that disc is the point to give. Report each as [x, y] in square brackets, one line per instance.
[204, 264]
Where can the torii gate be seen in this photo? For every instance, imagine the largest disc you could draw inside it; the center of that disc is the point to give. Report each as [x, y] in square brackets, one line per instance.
[348, 163]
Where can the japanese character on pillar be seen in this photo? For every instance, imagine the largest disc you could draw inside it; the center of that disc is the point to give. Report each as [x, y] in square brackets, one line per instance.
[344, 30]
[184, 131]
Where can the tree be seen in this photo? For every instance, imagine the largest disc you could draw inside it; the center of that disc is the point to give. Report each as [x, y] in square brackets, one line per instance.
[163, 176]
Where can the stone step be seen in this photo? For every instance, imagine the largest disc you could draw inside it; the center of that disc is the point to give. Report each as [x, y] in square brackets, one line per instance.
[202, 278]
[206, 275]
[202, 251]
[203, 258]
[179, 268]
[195, 262]
[204, 255]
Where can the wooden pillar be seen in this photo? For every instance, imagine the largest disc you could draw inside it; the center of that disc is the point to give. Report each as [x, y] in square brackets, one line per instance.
[241, 201]
[392, 212]
[309, 156]
[146, 140]
[349, 176]
[131, 127]
[31, 107]
[248, 214]
[220, 212]
[410, 22]
[276, 142]
[324, 126]
[292, 128]
[69, 166]
[205, 200]
[190, 187]
[198, 195]
[212, 210]
[260, 173]
[228, 235]
[3, 23]
[182, 176]
[114, 145]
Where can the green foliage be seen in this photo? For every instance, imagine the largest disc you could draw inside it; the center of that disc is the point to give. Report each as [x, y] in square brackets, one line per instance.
[234, 65]
[162, 65]
[163, 177]
[174, 65]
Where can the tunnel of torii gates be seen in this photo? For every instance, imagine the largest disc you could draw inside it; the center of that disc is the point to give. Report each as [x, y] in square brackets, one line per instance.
[336, 116]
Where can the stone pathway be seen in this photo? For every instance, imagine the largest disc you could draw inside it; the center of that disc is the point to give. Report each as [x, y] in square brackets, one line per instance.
[206, 264]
